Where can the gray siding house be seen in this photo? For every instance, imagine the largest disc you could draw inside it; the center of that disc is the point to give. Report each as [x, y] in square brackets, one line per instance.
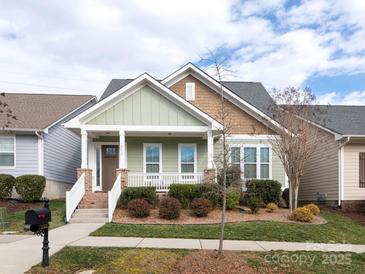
[37, 143]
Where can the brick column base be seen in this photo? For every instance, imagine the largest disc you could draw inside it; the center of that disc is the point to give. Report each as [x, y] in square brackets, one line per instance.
[124, 177]
[88, 178]
[209, 176]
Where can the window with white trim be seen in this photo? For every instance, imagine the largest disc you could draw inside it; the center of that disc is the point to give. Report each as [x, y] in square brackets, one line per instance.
[235, 156]
[264, 163]
[152, 158]
[7, 151]
[187, 158]
[362, 169]
[190, 91]
[250, 162]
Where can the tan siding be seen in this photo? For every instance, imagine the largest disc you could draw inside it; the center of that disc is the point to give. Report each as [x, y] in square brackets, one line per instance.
[321, 172]
[352, 191]
[209, 101]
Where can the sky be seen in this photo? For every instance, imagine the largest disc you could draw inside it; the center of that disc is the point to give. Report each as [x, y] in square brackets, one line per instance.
[77, 47]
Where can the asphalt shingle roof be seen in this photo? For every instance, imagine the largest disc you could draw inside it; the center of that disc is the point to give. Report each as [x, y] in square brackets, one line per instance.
[38, 111]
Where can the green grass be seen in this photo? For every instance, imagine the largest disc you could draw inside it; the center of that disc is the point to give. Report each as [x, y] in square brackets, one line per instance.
[16, 219]
[122, 260]
[339, 229]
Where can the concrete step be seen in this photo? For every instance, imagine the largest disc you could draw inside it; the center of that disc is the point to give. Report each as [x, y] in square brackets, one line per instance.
[88, 220]
[97, 204]
[92, 210]
[89, 215]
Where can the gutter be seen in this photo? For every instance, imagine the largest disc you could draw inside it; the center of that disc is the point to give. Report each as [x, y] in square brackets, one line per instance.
[341, 169]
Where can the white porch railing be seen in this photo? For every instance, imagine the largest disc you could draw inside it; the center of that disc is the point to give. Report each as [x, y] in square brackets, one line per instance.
[113, 196]
[74, 196]
[162, 181]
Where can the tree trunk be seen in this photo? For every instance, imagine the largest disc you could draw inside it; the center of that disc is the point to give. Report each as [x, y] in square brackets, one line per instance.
[296, 188]
[290, 197]
[221, 236]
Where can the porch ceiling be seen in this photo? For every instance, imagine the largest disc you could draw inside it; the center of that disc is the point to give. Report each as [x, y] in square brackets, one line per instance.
[96, 134]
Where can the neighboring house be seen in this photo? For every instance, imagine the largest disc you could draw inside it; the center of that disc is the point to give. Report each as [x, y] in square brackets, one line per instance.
[156, 133]
[336, 172]
[37, 143]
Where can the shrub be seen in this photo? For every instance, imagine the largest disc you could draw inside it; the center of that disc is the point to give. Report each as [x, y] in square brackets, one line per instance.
[269, 190]
[30, 187]
[314, 209]
[243, 199]
[232, 198]
[169, 208]
[233, 176]
[185, 193]
[145, 193]
[6, 185]
[138, 208]
[212, 192]
[285, 196]
[302, 214]
[271, 207]
[254, 203]
[200, 207]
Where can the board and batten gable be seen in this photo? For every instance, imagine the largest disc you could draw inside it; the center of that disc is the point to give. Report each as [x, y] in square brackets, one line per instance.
[26, 156]
[209, 101]
[62, 150]
[321, 174]
[146, 107]
[351, 177]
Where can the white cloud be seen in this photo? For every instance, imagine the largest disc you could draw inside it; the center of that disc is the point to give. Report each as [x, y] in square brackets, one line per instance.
[83, 44]
[334, 98]
[327, 98]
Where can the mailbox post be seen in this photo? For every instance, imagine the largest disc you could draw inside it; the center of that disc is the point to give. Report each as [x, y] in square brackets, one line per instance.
[37, 221]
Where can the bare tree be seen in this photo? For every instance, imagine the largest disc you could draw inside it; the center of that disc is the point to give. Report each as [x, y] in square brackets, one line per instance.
[297, 138]
[6, 114]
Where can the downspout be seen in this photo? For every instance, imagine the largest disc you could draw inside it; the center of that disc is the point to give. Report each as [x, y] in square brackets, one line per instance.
[40, 153]
[340, 169]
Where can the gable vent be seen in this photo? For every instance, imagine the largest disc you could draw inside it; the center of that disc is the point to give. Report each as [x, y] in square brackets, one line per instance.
[190, 91]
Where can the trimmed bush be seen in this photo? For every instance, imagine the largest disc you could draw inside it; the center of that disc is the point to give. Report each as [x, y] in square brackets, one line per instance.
[146, 193]
[30, 187]
[169, 208]
[6, 185]
[212, 192]
[302, 214]
[232, 198]
[314, 209]
[285, 196]
[254, 203]
[200, 207]
[243, 199]
[185, 193]
[138, 208]
[233, 176]
[271, 207]
[269, 190]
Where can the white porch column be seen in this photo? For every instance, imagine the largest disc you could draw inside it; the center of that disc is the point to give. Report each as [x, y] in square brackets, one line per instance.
[210, 148]
[122, 149]
[84, 149]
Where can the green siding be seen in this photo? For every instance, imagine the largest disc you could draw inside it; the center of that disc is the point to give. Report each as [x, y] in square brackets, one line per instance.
[146, 107]
[277, 168]
[170, 159]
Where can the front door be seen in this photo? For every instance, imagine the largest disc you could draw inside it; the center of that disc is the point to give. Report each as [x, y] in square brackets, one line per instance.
[110, 162]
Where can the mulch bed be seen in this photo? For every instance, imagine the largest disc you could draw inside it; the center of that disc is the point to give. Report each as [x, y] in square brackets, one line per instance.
[209, 262]
[16, 205]
[281, 215]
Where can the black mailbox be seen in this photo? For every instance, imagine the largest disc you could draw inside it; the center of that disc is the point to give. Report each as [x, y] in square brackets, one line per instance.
[37, 219]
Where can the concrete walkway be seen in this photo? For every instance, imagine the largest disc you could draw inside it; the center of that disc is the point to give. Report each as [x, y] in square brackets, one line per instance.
[213, 244]
[18, 253]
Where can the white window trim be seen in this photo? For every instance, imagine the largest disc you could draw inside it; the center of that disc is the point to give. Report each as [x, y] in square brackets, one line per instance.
[190, 85]
[195, 155]
[145, 145]
[258, 159]
[14, 151]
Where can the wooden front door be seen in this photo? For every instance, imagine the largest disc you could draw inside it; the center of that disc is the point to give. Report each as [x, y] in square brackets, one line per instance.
[110, 162]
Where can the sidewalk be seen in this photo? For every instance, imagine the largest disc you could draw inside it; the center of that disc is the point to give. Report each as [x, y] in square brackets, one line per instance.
[213, 244]
[19, 255]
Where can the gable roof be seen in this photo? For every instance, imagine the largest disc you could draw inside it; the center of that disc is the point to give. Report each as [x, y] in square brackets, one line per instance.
[344, 120]
[130, 87]
[39, 111]
[114, 85]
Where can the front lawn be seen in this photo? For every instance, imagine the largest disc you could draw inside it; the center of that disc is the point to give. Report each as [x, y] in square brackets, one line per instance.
[16, 211]
[121, 260]
[339, 229]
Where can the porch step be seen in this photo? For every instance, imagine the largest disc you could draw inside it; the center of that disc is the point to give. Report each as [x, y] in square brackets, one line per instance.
[87, 215]
[94, 200]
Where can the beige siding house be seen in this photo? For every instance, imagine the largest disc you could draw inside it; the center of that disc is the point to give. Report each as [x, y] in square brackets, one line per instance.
[336, 172]
[145, 132]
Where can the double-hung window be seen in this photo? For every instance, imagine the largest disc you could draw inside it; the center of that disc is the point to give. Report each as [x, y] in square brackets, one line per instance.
[236, 157]
[264, 163]
[362, 169]
[187, 160]
[7, 151]
[250, 162]
[152, 158]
